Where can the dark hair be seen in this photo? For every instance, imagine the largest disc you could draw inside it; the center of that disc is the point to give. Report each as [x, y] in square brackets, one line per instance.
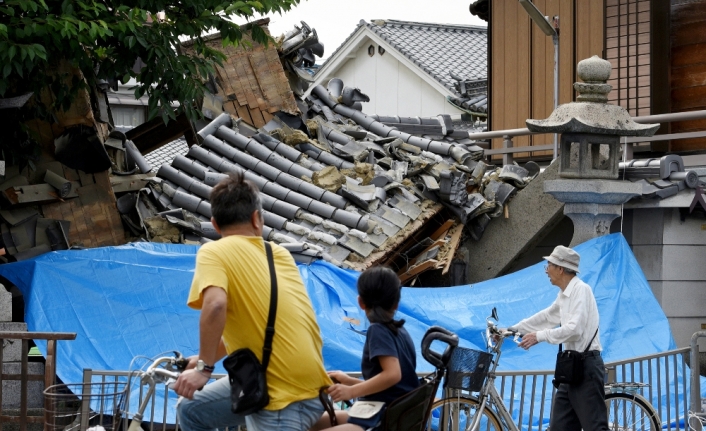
[234, 199]
[379, 290]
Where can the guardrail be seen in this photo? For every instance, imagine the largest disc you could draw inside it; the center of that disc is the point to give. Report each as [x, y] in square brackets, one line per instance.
[628, 142]
[527, 394]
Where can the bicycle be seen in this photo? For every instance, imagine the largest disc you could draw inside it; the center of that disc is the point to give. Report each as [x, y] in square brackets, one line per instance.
[163, 370]
[697, 421]
[474, 371]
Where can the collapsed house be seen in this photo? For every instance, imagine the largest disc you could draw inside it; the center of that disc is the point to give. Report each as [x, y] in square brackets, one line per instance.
[337, 184]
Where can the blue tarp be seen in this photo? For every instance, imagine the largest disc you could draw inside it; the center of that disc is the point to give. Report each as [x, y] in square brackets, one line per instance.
[130, 300]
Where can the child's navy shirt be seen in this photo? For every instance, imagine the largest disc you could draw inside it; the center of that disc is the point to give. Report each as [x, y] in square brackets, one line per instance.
[381, 341]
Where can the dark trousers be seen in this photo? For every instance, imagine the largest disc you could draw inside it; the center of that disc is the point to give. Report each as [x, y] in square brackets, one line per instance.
[582, 406]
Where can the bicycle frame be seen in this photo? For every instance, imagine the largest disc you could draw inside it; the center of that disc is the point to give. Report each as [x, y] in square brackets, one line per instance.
[153, 375]
[494, 340]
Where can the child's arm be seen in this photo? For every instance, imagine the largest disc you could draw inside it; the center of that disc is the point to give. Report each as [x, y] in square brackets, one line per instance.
[390, 375]
[343, 378]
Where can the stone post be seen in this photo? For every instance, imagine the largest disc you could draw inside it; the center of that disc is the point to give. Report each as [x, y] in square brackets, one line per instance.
[12, 361]
[590, 149]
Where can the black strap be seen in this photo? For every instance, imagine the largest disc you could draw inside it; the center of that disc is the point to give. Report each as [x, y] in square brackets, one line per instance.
[270, 329]
[589, 343]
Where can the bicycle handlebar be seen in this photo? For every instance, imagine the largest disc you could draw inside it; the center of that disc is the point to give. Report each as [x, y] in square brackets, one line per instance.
[159, 371]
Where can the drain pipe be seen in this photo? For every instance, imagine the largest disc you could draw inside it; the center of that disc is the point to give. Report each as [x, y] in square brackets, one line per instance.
[695, 372]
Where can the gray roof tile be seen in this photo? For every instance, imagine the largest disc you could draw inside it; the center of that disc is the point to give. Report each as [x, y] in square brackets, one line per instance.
[167, 152]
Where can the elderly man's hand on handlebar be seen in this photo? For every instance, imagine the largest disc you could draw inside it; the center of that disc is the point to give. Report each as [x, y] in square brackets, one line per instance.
[528, 340]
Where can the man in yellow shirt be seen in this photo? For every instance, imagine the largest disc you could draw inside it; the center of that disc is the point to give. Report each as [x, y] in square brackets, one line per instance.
[231, 287]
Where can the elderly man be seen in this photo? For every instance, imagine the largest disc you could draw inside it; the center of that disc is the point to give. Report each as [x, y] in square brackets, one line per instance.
[231, 287]
[572, 320]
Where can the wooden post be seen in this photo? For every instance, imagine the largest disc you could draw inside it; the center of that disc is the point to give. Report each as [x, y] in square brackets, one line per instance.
[23, 386]
[49, 379]
[2, 343]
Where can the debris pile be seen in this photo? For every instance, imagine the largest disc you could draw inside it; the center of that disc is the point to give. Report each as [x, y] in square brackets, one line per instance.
[338, 184]
[660, 178]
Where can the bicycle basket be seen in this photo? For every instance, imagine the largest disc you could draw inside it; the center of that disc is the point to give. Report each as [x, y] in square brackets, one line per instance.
[78, 406]
[467, 369]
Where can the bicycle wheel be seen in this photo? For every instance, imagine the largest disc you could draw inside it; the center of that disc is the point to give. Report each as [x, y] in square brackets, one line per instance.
[455, 414]
[631, 412]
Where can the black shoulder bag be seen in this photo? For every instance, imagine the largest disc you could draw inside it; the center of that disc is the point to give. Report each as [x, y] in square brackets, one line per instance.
[248, 380]
[569, 365]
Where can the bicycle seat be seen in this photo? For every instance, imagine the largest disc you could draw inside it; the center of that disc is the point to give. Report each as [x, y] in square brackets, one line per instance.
[437, 333]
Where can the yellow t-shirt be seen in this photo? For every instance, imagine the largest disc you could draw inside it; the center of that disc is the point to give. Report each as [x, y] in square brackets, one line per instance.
[238, 264]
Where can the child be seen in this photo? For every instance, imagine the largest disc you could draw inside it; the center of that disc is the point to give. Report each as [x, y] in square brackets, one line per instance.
[389, 361]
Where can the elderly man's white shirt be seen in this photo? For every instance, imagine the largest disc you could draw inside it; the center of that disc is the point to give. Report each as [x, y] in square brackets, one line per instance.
[575, 310]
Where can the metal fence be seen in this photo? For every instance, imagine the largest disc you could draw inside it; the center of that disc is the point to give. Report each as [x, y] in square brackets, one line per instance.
[528, 394]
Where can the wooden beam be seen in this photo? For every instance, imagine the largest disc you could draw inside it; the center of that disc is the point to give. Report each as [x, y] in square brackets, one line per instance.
[416, 270]
[442, 230]
[453, 246]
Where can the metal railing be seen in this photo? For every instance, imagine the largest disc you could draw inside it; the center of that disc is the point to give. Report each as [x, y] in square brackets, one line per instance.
[528, 394]
[509, 150]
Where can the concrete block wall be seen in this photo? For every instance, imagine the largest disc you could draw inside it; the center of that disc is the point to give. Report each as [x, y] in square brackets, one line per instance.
[12, 357]
[12, 349]
[672, 254]
[11, 389]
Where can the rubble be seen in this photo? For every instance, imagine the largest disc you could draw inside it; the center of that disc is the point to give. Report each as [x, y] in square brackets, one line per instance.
[337, 184]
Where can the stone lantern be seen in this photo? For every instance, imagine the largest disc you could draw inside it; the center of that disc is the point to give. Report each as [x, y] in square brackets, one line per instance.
[590, 131]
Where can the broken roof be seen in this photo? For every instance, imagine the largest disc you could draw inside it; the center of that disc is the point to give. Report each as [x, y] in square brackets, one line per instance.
[436, 49]
[251, 81]
[353, 189]
[665, 182]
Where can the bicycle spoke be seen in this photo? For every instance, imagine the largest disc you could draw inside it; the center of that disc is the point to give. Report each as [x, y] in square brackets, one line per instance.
[456, 414]
[629, 414]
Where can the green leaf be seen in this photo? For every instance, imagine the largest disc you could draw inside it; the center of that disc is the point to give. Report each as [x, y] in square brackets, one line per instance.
[40, 51]
[141, 39]
[6, 70]
[11, 52]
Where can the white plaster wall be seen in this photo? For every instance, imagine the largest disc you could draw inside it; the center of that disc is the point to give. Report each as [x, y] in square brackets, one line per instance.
[393, 88]
[672, 255]
[128, 115]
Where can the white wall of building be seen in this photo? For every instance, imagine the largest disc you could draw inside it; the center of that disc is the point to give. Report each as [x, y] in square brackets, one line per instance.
[672, 253]
[127, 115]
[393, 88]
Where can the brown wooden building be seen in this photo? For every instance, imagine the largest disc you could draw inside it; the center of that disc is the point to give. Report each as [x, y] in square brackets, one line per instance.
[657, 49]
